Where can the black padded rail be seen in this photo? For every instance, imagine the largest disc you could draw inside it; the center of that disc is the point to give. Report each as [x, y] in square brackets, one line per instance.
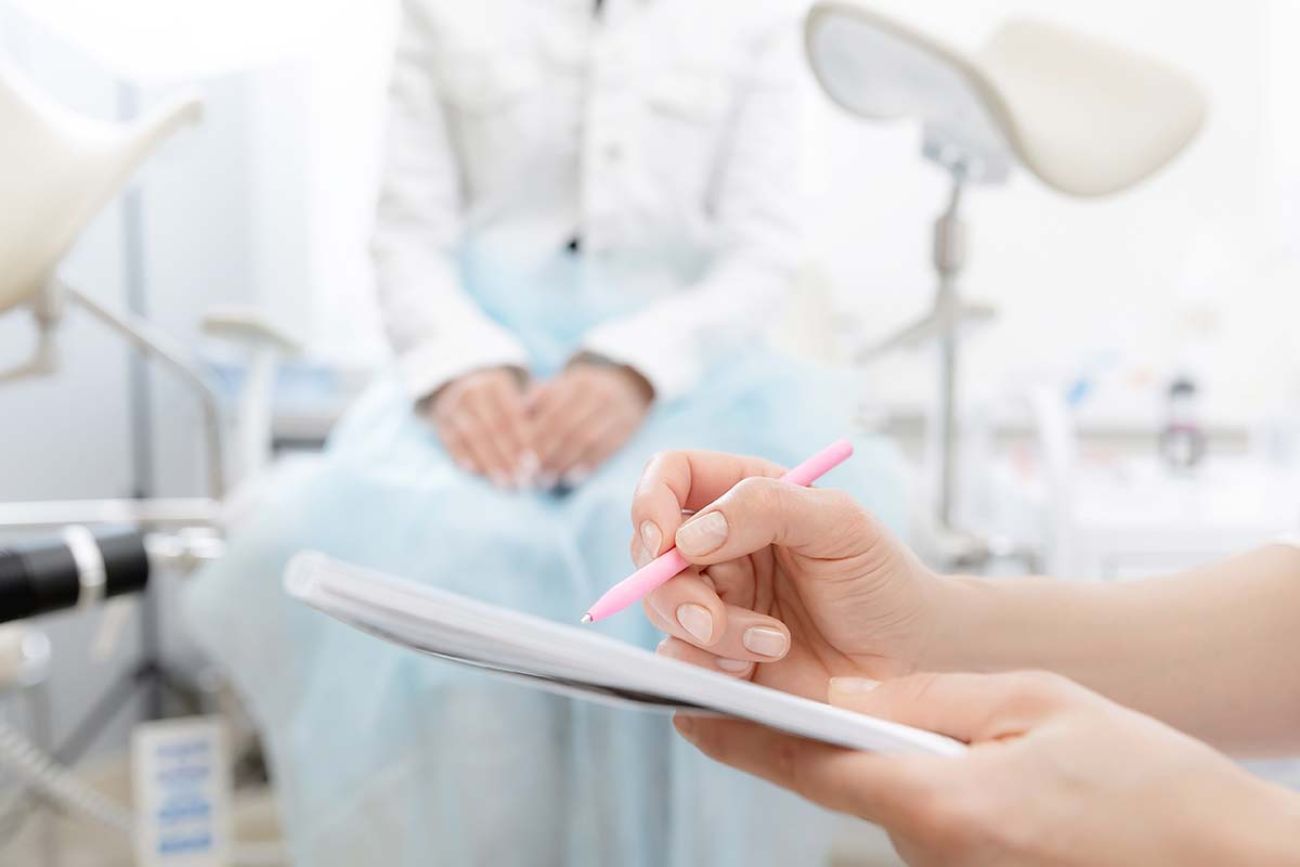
[41, 576]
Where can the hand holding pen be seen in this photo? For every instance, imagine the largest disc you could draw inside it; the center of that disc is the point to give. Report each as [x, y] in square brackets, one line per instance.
[671, 563]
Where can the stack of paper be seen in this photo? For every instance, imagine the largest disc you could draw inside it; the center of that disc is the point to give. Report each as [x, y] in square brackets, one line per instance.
[574, 660]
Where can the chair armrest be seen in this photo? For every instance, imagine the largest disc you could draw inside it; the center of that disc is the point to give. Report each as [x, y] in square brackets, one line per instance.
[249, 328]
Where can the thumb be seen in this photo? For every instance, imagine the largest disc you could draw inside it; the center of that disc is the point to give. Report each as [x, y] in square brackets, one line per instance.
[758, 512]
[968, 707]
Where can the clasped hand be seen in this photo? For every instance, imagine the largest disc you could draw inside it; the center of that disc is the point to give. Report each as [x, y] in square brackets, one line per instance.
[497, 424]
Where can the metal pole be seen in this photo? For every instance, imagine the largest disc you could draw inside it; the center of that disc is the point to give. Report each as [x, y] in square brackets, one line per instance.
[949, 257]
[140, 394]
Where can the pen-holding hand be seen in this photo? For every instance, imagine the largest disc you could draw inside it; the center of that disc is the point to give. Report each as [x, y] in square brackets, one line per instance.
[481, 420]
[1055, 775]
[802, 580]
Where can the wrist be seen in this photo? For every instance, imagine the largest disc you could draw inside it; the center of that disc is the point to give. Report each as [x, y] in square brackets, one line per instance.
[427, 403]
[637, 381]
[962, 616]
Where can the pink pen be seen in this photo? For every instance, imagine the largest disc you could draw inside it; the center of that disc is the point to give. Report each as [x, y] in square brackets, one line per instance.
[670, 564]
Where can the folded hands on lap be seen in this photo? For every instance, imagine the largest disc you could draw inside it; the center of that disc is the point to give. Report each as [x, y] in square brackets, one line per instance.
[520, 434]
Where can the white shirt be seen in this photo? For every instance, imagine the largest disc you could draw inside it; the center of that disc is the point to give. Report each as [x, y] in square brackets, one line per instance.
[666, 136]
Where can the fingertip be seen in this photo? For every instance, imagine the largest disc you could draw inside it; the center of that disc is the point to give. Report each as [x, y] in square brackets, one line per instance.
[681, 651]
[771, 642]
[735, 667]
[652, 538]
[656, 515]
[656, 602]
[707, 734]
[576, 475]
[849, 692]
[640, 556]
[702, 535]
[690, 608]
[698, 622]
[656, 498]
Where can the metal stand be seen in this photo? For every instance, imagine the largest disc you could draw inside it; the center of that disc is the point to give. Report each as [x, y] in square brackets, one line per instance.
[141, 404]
[949, 256]
[943, 325]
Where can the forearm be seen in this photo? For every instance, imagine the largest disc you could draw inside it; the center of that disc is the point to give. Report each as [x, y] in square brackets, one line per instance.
[1256, 823]
[1214, 651]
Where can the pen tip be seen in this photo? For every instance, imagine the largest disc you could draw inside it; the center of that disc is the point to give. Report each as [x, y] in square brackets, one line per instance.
[586, 618]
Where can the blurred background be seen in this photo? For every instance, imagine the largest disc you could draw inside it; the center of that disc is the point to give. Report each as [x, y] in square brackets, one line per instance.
[1133, 406]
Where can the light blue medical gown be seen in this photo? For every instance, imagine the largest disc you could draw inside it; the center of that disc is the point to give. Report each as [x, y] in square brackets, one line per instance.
[385, 757]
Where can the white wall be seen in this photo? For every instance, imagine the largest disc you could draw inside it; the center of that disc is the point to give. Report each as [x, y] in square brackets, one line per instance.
[349, 74]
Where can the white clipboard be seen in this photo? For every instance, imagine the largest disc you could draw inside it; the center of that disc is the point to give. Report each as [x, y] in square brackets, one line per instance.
[573, 660]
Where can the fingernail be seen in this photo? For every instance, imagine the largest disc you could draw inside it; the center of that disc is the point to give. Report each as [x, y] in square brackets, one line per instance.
[546, 481]
[852, 685]
[732, 666]
[641, 556]
[500, 479]
[651, 537]
[696, 620]
[702, 534]
[576, 476]
[526, 471]
[765, 641]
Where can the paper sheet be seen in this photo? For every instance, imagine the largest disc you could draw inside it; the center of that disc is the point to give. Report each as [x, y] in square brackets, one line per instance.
[574, 660]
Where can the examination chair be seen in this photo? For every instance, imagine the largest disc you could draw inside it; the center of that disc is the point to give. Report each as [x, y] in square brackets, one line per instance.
[1084, 117]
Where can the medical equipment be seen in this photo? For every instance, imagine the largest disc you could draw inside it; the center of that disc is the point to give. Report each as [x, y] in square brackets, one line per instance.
[1182, 440]
[1084, 117]
[183, 792]
[79, 568]
[57, 171]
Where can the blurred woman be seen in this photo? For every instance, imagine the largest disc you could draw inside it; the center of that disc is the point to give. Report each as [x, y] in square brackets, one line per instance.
[588, 217]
